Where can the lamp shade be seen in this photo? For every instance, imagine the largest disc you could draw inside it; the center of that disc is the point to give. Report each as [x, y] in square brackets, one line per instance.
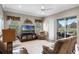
[9, 35]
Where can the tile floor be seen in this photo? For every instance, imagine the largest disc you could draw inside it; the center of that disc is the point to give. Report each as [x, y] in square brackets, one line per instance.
[33, 47]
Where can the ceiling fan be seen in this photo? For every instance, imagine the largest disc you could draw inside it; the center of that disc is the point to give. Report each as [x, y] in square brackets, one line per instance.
[43, 8]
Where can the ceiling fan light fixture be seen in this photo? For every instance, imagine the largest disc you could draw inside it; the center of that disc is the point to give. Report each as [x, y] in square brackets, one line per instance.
[42, 7]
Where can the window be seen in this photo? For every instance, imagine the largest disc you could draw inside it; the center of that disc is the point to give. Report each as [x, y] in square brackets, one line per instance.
[1, 25]
[66, 27]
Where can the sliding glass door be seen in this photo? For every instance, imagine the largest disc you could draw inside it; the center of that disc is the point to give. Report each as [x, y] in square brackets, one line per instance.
[61, 26]
[66, 27]
[71, 26]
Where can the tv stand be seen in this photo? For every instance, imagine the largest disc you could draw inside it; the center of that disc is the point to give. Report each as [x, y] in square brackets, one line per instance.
[32, 36]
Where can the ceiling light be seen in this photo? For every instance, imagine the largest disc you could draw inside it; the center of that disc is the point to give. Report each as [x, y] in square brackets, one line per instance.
[42, 7]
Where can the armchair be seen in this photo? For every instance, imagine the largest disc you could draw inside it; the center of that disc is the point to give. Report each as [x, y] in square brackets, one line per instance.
[42, 35]
[62, 46]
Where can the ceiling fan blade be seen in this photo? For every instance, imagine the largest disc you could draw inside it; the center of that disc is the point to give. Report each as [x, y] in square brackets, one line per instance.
[49, 9]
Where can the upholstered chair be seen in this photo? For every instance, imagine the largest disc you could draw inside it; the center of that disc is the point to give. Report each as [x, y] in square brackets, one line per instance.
[62, 46]
[42, 35]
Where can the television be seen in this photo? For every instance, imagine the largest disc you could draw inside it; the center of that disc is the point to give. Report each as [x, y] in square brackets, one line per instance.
[28, 28]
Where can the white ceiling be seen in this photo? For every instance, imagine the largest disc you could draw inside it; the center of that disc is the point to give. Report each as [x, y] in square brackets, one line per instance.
[35, 9]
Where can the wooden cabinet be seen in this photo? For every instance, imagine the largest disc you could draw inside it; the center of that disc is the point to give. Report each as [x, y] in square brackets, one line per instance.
[9, 36]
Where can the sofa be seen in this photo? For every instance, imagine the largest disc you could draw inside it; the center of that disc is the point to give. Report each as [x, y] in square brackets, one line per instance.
[62, 46]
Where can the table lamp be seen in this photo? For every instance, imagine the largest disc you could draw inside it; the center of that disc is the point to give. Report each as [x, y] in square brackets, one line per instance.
[8, 37]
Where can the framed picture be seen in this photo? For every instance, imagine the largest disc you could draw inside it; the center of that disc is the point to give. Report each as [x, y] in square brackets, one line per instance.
[13, 18]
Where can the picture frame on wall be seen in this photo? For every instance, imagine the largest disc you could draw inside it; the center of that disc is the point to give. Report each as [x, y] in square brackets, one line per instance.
[14, 18]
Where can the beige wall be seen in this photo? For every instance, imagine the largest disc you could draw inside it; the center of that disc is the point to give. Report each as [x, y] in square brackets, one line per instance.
[1, 12]
[67, 13]
[22, 17]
